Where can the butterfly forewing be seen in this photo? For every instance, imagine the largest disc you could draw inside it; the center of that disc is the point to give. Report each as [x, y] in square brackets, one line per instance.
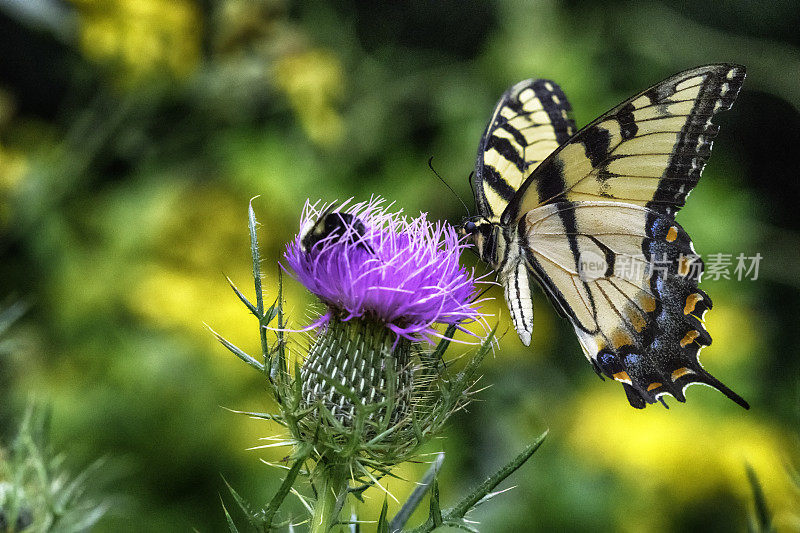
[529, 122]
[650, 150]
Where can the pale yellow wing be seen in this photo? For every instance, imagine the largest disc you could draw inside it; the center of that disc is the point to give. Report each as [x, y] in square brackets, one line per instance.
[626, 276]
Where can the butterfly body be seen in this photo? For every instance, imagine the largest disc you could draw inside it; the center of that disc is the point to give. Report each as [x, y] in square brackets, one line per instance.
[591, 217]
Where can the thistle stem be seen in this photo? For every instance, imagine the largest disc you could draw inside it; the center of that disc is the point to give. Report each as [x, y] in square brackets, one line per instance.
[334, 486]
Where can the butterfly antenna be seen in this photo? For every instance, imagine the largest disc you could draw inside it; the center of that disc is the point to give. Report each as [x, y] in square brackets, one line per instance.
[430, 166]
[471, 185]
[484, 291]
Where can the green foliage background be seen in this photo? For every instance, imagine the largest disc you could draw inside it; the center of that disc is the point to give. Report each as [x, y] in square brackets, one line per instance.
[134, 132]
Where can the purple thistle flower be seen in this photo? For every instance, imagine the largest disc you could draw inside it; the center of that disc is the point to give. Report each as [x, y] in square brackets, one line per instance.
[366, 392]
[364, 261]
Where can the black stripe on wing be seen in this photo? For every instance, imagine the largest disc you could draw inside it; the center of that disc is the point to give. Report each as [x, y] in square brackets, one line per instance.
[649, 150]
[694, 148]
[531, 119]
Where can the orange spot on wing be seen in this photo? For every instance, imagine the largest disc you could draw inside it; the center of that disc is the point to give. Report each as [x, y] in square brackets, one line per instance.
[621, 338]
[690, 337]
[684, 266]
[637, 320]
[677, 374]
[691, 302]
[647, 302]
[672, 234]
[653, 386]
[622, 376]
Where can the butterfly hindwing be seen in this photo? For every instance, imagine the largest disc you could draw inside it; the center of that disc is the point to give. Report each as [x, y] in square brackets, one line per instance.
[649, 150]
[529, 122]
[630, 292]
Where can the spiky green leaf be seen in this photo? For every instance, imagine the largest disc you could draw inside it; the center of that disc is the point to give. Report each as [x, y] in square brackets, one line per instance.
[435, 513]
[253, 309]
[488, 486]
[238, 352]
[383, 523]
[402, 516]
[286, 486]
[231, 526]
[761, 518]
[244, 505]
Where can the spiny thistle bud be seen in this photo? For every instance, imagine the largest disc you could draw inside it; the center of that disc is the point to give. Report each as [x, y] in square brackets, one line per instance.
[365, 358]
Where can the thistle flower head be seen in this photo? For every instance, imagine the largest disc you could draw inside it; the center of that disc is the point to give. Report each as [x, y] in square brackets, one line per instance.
[363, 261]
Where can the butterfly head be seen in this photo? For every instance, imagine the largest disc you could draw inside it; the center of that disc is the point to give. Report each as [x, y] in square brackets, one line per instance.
[483, 235]
[469, 226]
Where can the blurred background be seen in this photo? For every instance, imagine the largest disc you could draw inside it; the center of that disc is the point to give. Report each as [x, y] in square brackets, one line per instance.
[134, 132]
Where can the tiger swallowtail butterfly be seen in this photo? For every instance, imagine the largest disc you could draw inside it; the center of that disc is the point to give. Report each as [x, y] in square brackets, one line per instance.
[590, 215]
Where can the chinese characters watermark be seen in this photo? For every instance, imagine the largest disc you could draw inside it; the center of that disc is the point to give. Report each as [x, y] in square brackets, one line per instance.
[592, 266]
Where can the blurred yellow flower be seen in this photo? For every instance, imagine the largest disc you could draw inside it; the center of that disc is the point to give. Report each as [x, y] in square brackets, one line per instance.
[183, 286]
[313, 81]
[141, 36]
[13, 166]
[13, 163]
[686, 452]
[202, 236]
[735, 336]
